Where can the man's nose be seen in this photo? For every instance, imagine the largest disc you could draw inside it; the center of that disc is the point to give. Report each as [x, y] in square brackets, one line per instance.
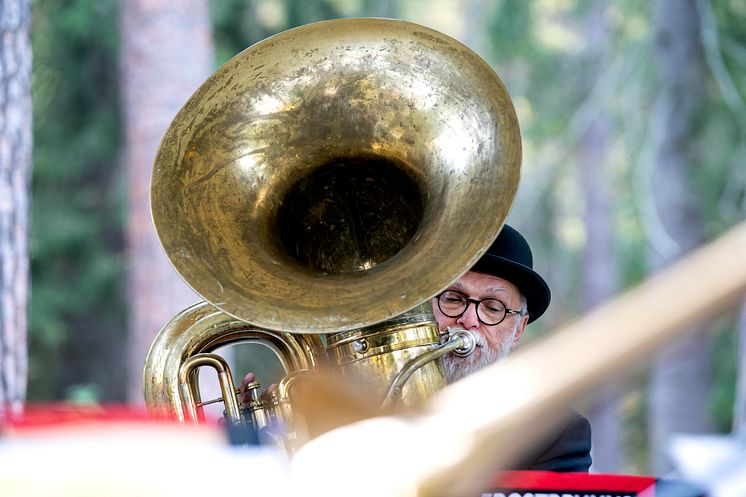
[469, 318]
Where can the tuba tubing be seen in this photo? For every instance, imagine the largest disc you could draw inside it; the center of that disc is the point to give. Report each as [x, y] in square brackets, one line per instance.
[202, 328]
[189, 390]
[457, 341]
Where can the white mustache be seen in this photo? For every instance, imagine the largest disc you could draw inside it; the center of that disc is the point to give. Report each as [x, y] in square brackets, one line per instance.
[479, 340]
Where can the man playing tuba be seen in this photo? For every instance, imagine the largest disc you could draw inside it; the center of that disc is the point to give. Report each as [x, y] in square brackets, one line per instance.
[495, 300]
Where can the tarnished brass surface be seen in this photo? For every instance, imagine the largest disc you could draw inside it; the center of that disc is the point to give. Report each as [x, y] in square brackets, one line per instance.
[373, 357]
[336, 175]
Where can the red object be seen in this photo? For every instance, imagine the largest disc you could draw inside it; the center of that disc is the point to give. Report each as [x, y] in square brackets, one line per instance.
[549, 484]
[59, 415]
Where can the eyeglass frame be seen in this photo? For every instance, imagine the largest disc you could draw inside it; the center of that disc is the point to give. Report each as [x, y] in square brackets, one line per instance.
[508, 310]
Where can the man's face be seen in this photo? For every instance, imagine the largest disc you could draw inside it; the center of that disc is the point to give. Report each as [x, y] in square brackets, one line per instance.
[494, 342]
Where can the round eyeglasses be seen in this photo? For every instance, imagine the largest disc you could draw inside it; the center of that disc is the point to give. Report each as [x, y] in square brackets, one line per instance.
[489, 311]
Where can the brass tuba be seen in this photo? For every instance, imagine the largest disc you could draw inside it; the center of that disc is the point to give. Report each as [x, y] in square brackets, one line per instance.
[317, 191]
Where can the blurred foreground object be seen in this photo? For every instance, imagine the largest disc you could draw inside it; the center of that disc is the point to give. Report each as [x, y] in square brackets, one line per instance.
[74, 451]
[716, 463]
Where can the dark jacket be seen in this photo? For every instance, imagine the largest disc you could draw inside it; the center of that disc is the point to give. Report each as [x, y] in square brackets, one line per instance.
[567, 450]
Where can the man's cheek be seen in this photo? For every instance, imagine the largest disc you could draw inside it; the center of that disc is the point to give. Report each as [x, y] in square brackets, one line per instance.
[442, 321]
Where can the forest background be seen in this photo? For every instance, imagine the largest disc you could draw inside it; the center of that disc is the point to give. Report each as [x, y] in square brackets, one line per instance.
[633, 119]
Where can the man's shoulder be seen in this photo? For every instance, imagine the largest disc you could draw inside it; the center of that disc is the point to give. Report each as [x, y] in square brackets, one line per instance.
[577, 427]
[566, 449]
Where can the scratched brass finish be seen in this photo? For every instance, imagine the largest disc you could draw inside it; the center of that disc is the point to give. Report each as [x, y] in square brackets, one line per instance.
[336, 175]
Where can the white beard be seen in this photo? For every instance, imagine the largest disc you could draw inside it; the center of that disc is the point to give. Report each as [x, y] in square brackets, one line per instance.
[459, 367]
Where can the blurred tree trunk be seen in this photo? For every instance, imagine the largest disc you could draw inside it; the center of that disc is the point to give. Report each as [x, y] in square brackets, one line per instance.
[599, 278]
[15, 172]
[681, 375]
[166, 54]
[739, 411]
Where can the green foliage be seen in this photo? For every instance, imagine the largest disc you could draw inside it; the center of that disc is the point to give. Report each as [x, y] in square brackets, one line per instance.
[725, 363]
[559, 91]
[235, 28]
[76, 227]
[303, 12]
[86, 393]
[634, 406]
[509, 28]
[238, 24]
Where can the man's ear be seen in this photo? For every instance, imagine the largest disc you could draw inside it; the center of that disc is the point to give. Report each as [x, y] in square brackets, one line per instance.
[519, 332]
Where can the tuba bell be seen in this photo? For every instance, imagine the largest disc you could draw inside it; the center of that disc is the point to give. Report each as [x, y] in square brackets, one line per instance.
[317, 191]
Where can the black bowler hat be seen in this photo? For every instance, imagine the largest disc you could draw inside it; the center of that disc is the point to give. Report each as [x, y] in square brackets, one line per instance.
[509, 257]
